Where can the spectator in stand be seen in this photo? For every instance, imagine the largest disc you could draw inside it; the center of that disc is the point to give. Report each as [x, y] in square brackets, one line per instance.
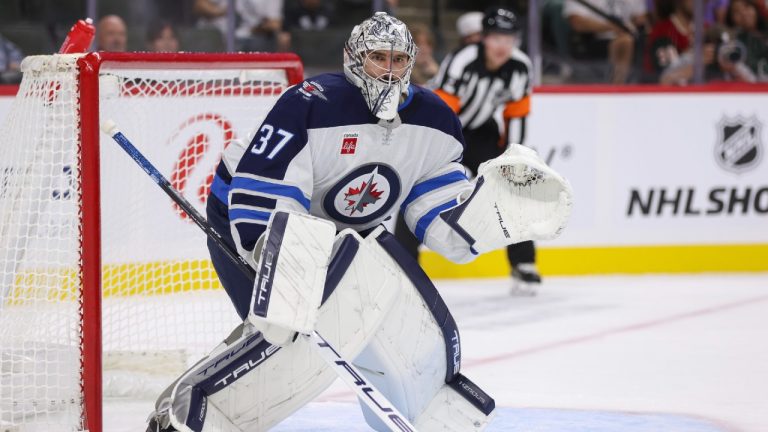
[470, 28]
[307, 15]
[304, 15]
[111, 34]
[743, 54]
[556, 27]
[425, 66]
[162, 37]
[604, 38]
[715, 11]
[261, 24]
[261, 21]
[669, 49]
[211, 14]
[10, 62]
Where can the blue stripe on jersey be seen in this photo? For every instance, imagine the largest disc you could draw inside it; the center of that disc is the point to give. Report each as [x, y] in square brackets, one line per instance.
[434, 183]
[271, 188]
[220, 189]
[256, 215]
[426, 220]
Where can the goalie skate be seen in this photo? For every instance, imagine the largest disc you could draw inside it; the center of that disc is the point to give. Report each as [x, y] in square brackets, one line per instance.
[525, 280]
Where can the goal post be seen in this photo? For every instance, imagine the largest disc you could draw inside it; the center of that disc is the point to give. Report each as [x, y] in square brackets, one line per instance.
[104, 284]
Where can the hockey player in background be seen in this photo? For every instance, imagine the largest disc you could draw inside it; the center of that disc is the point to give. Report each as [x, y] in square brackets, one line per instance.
[346, 150]
[488, 85]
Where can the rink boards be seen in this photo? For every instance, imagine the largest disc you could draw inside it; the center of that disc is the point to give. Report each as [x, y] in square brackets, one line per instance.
[666, 180]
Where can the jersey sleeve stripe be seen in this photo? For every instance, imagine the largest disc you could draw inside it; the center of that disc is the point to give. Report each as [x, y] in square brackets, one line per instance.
[237, 215]
[432, 184]
[427, 219]
[264, 187]
[220, 189]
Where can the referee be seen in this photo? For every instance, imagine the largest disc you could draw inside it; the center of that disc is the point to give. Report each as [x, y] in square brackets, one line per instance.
[488, 85]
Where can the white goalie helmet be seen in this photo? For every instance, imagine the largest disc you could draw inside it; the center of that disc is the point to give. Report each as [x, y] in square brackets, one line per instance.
[389, 37]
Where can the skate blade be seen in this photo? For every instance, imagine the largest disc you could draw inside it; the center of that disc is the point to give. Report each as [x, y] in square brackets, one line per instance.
[523, 289]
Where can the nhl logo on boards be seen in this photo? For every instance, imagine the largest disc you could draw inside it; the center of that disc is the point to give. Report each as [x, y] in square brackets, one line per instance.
[739, 146]
[349, 143]
[311, 88]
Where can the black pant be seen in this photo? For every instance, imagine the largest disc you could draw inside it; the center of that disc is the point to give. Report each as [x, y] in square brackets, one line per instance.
[482, 145]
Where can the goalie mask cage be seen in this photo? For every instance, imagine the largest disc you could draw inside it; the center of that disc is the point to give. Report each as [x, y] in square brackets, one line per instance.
[106, 289]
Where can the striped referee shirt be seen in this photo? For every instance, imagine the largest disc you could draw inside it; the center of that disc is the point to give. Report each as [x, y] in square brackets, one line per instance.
[478, 95]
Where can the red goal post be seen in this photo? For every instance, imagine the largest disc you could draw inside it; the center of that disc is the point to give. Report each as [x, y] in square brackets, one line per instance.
[96, 266]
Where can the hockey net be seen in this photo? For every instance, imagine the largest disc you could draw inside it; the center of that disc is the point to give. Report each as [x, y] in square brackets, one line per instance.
[105, 286]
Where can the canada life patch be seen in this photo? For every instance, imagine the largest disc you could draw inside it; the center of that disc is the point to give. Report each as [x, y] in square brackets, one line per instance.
[363, 195]
[349, 143]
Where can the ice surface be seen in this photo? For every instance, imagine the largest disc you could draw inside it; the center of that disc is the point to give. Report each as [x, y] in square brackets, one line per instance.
[597, 354]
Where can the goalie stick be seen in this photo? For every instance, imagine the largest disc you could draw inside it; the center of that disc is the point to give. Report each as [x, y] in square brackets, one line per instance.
[348, 373]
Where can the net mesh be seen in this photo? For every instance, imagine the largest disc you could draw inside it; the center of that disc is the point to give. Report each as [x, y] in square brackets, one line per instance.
[162, 305]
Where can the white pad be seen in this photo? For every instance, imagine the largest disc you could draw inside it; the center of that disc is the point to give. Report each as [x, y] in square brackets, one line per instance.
[254, 385]
[413, 354]
[450, 411]
[291, 274]
[517, 197]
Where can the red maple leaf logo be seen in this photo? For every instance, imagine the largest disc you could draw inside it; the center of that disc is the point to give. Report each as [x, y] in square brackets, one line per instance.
[359, 198]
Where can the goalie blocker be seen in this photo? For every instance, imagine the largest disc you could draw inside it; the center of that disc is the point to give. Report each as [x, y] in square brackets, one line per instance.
[373, 297]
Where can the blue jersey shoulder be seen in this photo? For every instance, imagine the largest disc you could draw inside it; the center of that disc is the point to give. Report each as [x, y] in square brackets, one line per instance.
[326, 87]
[424, 108]
[330, 100]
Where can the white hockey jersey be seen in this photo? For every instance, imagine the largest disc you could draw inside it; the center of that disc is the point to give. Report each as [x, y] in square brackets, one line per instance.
[321, 151]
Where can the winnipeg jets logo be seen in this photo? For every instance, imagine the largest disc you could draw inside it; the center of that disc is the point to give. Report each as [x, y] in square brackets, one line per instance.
[311, 88]
[358, 198]
[366, 194]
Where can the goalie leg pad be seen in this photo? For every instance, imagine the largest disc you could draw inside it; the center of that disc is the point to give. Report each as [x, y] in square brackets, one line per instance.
[415, 357]
[253, 384]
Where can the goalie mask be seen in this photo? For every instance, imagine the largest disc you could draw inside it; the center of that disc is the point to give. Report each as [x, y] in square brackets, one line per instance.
[378, 59]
